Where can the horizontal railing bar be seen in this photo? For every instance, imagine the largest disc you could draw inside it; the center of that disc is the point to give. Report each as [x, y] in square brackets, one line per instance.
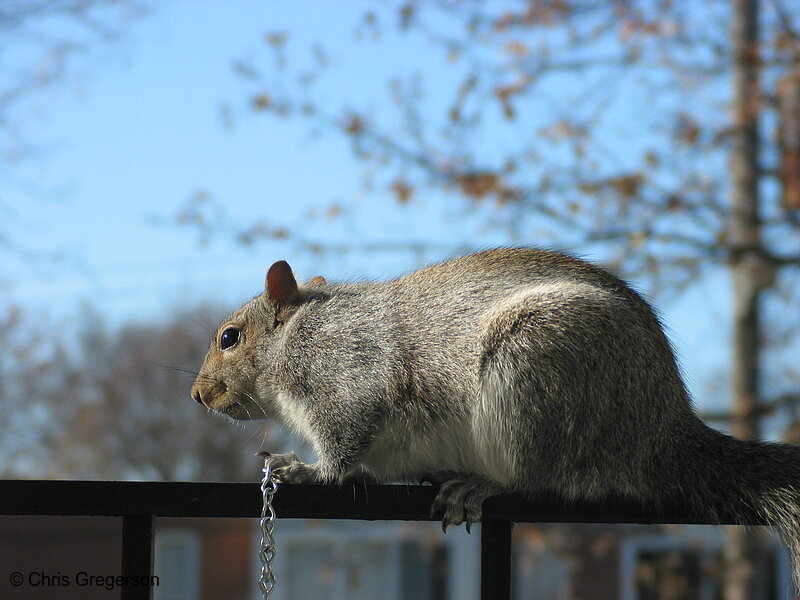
[353, 501]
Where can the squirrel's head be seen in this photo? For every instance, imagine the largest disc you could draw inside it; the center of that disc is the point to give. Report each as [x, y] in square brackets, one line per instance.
[236, 375]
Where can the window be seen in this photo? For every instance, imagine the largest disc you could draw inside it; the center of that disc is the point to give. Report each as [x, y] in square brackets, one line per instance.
[354, 561]
[685, 564]
[177, 565]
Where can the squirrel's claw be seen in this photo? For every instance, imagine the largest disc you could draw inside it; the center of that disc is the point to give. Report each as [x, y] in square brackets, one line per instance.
[287, 468]
[460, 500]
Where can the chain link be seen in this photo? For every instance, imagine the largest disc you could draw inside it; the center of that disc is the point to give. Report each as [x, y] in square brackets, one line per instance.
[269, 485]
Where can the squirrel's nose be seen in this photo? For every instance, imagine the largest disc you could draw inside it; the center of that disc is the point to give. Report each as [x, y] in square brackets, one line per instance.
[197, 396]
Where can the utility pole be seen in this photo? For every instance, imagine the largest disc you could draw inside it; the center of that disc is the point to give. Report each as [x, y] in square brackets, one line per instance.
[749, 275]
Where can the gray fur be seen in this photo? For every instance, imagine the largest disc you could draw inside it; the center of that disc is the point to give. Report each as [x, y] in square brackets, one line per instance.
[511, 369]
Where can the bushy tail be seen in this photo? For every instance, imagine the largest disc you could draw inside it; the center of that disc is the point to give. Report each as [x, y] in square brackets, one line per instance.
[746, 479]
[780, 507]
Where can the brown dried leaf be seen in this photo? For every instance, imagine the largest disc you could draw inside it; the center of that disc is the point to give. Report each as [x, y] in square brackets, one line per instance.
[277, 38]
[478, 185]
[334, 210]
[261, 101]
[687, 130]
[517, 48]
[402, 191]
[406, 15]
[354, 125]
[674, 203]
[627, 186]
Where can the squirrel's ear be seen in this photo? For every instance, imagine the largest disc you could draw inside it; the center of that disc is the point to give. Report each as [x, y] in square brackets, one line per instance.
[280, 285]
[316, 281]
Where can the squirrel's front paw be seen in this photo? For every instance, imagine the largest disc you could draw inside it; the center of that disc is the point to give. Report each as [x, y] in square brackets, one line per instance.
[290, 469]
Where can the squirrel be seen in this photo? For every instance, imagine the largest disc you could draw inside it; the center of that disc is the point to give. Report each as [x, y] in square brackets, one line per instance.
[508, 370]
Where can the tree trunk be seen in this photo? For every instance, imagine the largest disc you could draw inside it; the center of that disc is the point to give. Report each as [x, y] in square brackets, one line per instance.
[742, 547]
[788, 97]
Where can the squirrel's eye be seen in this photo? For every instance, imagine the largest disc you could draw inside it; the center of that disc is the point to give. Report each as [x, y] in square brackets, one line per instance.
[229, 338]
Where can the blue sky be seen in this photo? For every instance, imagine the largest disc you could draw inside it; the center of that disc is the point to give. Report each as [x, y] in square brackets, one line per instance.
[140, 132]
[137, 131]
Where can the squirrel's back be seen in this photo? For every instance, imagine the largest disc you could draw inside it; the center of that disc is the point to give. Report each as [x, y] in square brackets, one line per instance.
[448, 309]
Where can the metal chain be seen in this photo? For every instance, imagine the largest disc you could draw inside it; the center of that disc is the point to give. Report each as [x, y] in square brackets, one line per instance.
[269, 485]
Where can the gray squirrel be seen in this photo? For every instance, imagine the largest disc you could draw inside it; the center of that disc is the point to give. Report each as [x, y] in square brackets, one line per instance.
[512, 369]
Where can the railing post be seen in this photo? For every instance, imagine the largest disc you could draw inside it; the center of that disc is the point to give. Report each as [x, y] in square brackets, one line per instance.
[137, 557]
[496, 559]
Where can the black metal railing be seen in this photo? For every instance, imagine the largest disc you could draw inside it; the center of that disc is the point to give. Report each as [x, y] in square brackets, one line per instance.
[138, 503]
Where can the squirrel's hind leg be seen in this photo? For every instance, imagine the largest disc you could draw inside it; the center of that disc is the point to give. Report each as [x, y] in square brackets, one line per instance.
[460, 500]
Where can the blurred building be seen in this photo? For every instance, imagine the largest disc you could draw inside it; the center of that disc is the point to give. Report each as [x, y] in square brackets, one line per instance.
[213, 559]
